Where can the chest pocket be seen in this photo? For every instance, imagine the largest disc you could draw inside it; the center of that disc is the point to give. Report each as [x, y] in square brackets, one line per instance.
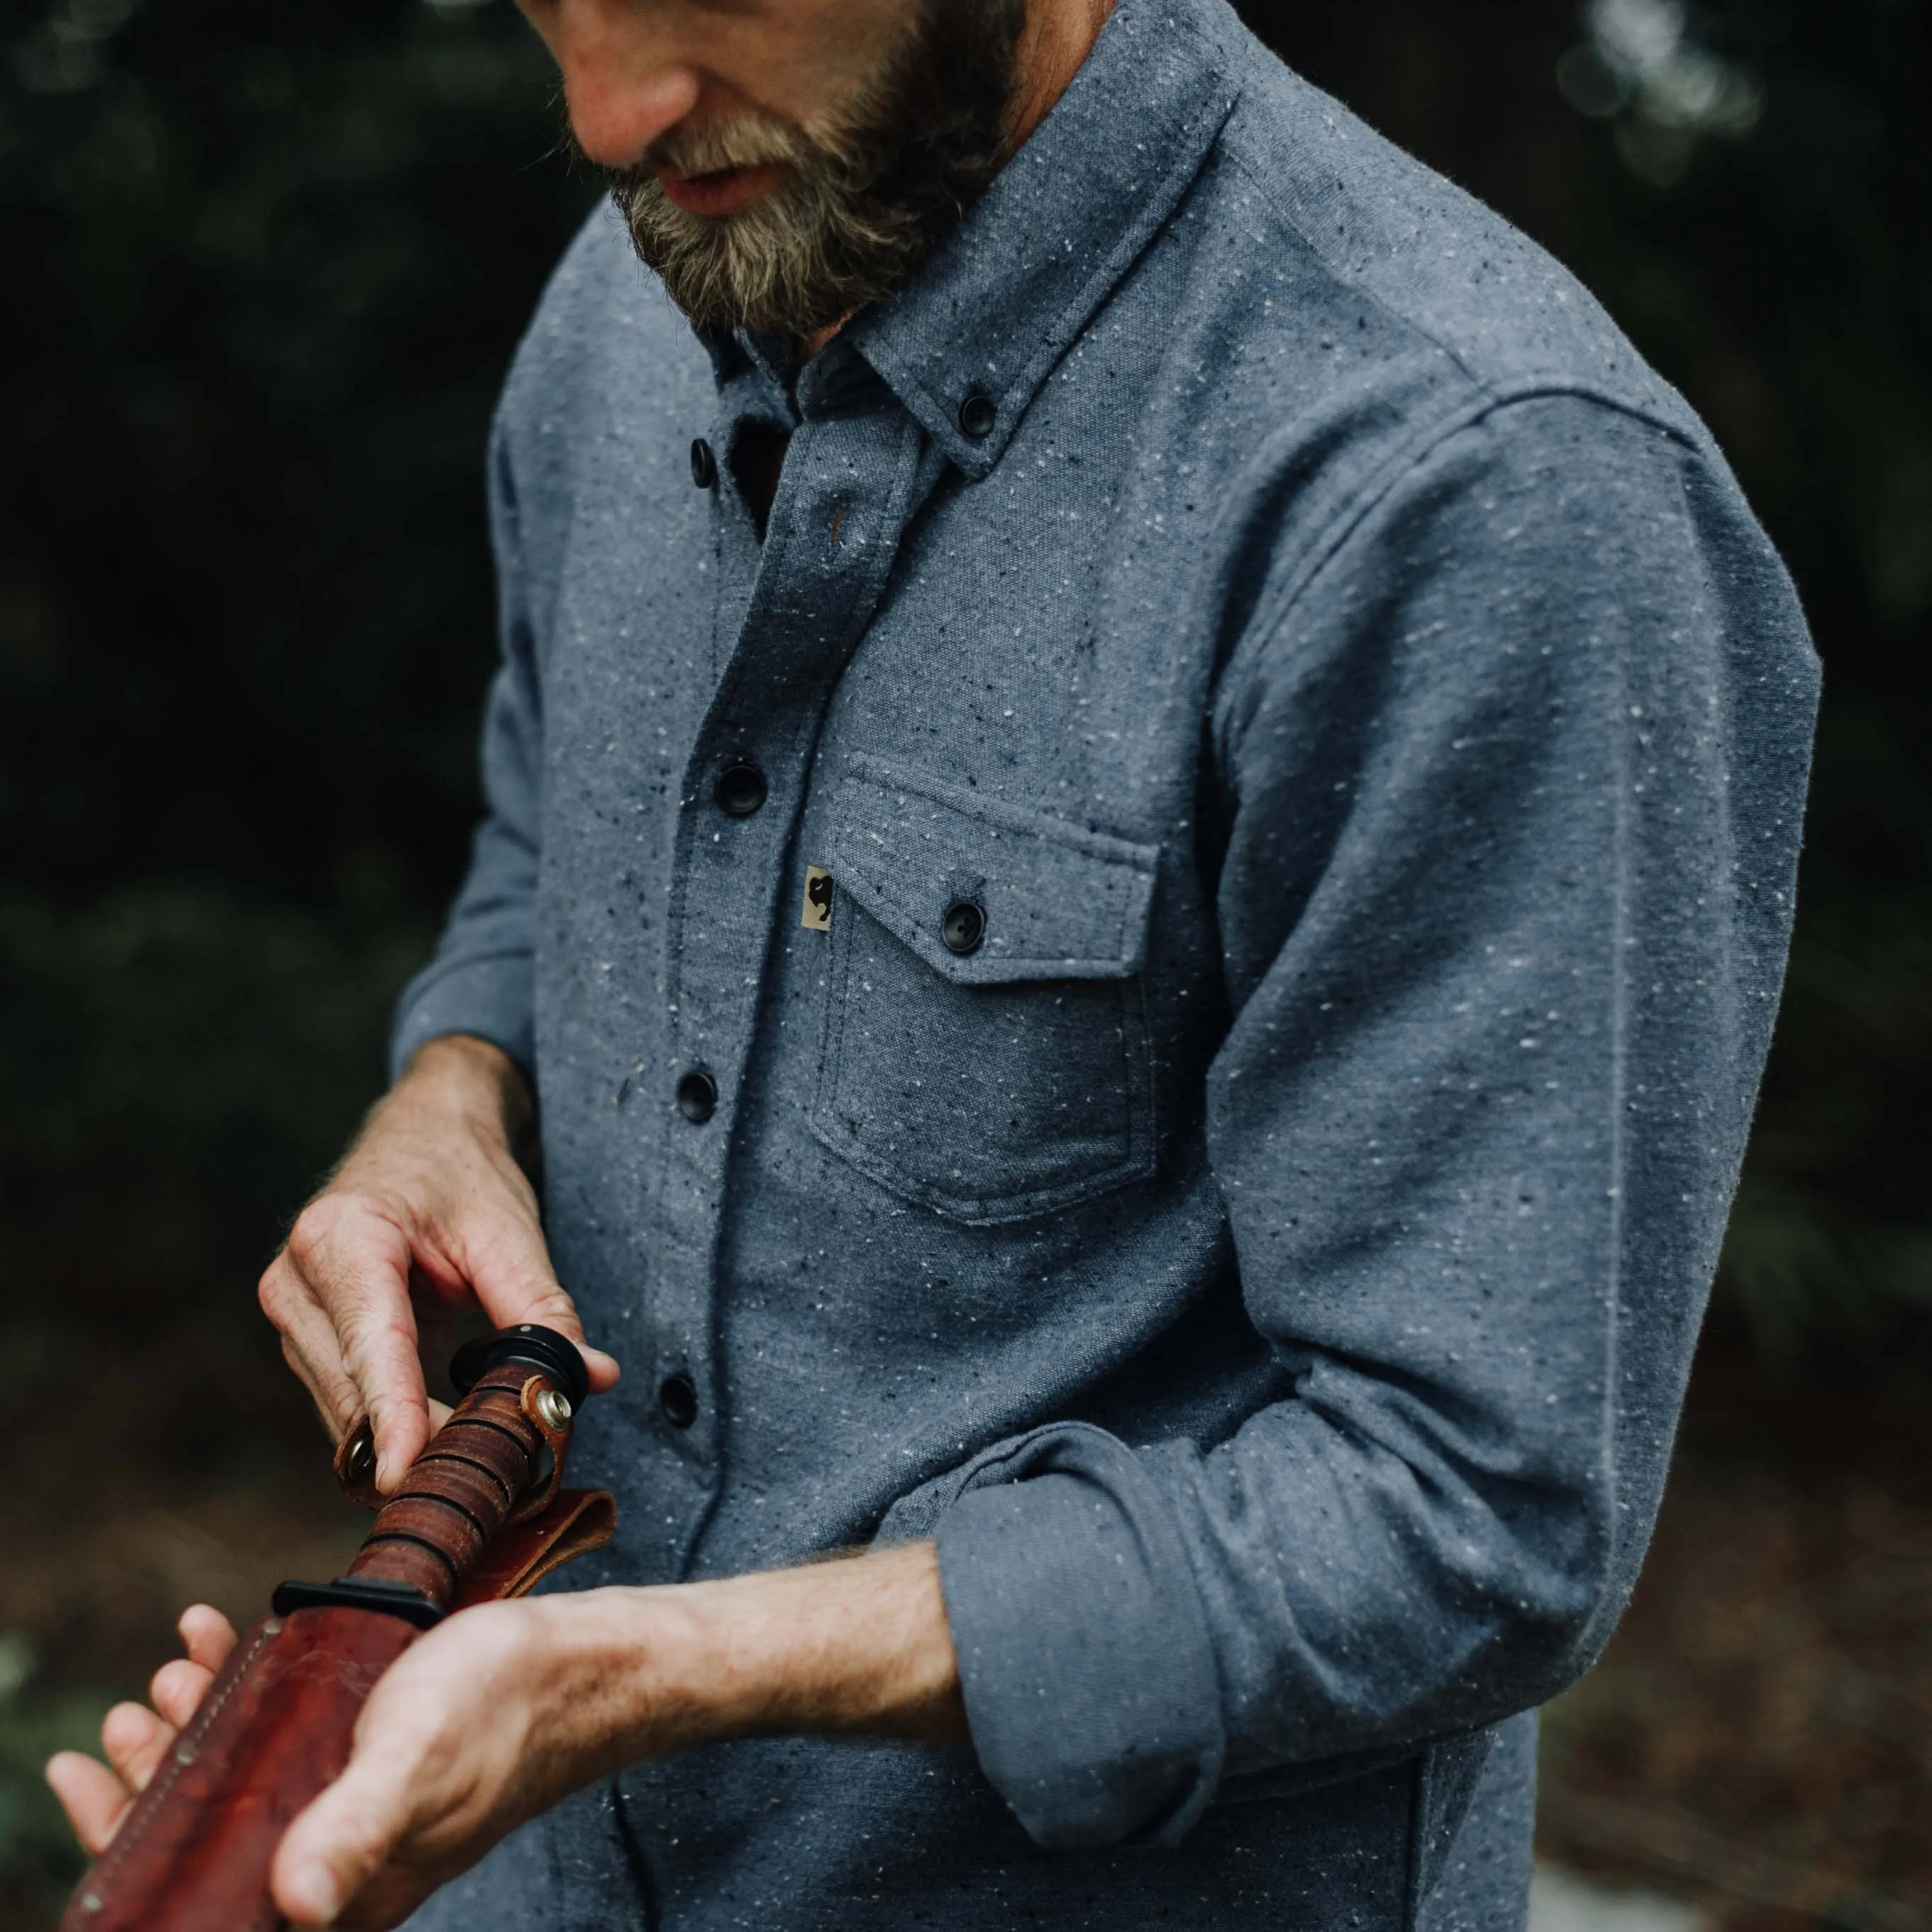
[985, 1050]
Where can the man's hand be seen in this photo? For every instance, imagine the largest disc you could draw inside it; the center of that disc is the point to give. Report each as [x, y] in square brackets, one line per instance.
[497, 1714]
[431, 1191]
[501, 1711]
[135, 1738]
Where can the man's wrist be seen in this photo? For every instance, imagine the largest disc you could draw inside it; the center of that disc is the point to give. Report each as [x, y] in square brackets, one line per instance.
[461, 1074]
[859, 1646]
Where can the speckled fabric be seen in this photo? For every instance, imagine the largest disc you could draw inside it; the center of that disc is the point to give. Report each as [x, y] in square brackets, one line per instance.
[1262, 1236]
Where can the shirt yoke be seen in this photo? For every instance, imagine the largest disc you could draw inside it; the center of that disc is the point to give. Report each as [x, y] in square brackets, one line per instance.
[1444, 271]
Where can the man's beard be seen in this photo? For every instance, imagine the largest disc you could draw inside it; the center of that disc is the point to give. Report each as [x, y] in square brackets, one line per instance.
[865, 192]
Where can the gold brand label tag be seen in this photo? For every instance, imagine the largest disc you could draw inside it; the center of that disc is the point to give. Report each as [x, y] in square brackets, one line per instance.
[817, 913]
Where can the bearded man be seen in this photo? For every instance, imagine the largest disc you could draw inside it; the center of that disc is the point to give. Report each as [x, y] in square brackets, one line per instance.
[1143, 805]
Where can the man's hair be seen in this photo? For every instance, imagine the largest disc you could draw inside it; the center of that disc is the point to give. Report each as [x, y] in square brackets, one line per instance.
[866, 191]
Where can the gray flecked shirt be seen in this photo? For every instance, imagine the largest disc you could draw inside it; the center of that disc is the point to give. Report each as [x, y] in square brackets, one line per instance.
[1164, 982]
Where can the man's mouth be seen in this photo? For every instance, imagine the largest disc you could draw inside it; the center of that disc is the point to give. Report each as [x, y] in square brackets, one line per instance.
[724, 191]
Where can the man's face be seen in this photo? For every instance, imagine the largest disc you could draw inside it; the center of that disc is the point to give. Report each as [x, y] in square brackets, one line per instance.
[782, 163]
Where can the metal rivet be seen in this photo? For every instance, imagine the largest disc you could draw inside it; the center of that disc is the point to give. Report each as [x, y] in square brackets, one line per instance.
[978, 413]
[273, 1627]
[90, 1901]
[703, 465]
[360, 1462]
[184, 1754]
[553, 1408]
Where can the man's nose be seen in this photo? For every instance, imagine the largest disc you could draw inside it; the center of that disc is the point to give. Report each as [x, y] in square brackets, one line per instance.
[627, 83]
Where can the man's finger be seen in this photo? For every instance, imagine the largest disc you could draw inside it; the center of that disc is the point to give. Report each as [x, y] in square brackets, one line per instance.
[338, 1844]
[135, 1740]
[208, 1634]
[310, 1344]
[178, 1688]
[94, 1800]
[380, 1346]
[509, 1267]
[354, 1261]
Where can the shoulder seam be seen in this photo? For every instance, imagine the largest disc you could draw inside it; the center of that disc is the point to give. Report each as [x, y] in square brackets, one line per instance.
[1274, 610]
[1266, 189]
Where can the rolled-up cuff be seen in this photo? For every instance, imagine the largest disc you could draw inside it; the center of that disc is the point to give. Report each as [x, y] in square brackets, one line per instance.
[1084, 1657]
[491, 997]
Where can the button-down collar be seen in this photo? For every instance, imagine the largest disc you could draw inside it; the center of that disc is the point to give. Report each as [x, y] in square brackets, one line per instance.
[996, 305]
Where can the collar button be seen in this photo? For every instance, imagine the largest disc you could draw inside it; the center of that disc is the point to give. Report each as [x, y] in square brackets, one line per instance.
[978, 413]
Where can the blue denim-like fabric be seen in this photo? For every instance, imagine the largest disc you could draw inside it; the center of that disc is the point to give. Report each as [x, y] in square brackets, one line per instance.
[1374, 731]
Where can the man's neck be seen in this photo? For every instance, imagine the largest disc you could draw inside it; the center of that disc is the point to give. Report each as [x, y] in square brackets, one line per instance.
[1058, 36]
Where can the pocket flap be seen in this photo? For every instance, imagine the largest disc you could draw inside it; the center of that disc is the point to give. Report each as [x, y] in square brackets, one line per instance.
[1059, 902]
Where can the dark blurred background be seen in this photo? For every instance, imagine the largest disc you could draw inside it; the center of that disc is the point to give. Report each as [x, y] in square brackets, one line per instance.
[261, 268]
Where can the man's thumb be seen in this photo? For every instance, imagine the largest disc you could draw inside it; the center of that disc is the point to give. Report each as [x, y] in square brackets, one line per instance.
[339, 1844]
[511, 1275]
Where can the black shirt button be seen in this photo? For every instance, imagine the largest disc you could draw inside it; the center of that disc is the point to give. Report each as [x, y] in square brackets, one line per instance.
[697, 1097]
[964, 929]
[703, 464]
[677, 1397]
[978, 414]
[741, 790]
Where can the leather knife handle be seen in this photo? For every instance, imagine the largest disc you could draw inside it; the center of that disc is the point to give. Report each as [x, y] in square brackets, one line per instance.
[480, 1517]
[478, 1469]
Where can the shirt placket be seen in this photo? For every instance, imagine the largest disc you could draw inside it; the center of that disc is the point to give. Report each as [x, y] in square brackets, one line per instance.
[851, 480]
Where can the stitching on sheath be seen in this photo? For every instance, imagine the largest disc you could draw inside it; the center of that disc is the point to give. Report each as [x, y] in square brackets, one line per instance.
[160, 1785]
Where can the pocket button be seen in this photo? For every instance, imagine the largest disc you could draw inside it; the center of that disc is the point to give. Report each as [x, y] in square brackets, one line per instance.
[964, 929]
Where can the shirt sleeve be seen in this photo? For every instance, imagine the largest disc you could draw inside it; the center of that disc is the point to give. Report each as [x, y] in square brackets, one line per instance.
[480, 981]
[1511, 786]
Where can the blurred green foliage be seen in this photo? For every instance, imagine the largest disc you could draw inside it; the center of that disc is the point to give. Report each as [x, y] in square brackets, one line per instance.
[264, 266]
[33, 1836]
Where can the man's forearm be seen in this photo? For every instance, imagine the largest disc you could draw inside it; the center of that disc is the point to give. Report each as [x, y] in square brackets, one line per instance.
[860, 1645]
[502, 1711]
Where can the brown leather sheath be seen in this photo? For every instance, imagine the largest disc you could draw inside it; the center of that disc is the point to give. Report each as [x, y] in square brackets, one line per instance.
[481, 1517]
